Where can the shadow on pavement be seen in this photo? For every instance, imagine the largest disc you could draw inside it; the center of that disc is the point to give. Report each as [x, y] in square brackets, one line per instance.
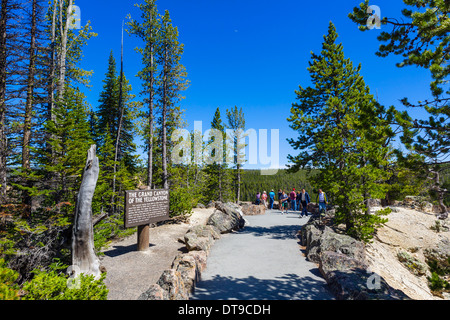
[287, 287]
[278, 232]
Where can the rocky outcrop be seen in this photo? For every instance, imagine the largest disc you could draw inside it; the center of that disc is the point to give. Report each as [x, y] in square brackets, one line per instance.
[178, 282]
[342, 263]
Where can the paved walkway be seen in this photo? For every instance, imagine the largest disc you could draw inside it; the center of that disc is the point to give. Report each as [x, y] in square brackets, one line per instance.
[263, 261]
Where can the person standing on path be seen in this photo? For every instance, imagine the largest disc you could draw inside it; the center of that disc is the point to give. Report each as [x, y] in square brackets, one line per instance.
[280, 193]
[298, 200]
[258, 198]
[283, 201]
[264, 199]
[322, 200]
[304, 198]
[271, 199]
[293, 197]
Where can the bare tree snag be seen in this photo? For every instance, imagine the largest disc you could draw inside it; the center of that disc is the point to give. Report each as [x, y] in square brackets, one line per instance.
[84, 258]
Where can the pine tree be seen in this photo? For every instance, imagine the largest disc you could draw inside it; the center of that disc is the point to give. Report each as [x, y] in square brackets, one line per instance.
[421, 38]
[109, 115]
[171, 83]
[148, 32]
[71, 139]
[218, 182]
[236, 122]
[9, 47]
[342, 131]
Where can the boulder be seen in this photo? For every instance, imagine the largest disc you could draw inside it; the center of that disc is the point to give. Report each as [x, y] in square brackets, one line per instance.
[201, 237]
[201, 206]
[253, 209]
[341, 243]
[207, 231]
[195, 242]
[189, 270]
[155, 292]
[222, 221]
[227, 217]
[332, 261]
[200, 259]
[211, 204]
[359, 284]
[171, 282]
[342, 263]
[311, 236]
[313, 208]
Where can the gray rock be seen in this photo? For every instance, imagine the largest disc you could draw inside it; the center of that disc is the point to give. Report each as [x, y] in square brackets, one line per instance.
[342, 263]
[358, 284]
[155, 292]
[189, 270]
[312, 238]
[171, 282]
[253, 209]
[334, 261]
[207, 231]
[341, 243]
[194, 242]
[227, 217]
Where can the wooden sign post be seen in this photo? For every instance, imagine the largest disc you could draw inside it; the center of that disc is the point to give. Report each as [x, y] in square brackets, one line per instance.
[143, 207]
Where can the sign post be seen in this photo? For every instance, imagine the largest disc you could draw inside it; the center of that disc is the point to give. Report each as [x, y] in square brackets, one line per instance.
[143, 207]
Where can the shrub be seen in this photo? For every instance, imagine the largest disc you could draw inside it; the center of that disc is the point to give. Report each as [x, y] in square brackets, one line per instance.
[413, 264]
[53, 285]
[8, 288]
[182, 201]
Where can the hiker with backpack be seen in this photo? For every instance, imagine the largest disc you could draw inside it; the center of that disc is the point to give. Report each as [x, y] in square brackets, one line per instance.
[284, 201]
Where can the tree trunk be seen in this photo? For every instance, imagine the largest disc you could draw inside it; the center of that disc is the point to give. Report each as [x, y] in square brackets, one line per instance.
[51, 81]
[63, 52]
[3, 149]
[150, 118]
[164, 122]
[238, 183]
[121, 110]
[29, 103]
[440, 194]
[84, 258]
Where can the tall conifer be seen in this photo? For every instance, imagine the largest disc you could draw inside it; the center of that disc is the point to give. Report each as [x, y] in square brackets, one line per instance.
[343, 132]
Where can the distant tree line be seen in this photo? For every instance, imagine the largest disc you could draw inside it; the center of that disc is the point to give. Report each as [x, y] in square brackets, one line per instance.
[254, 182]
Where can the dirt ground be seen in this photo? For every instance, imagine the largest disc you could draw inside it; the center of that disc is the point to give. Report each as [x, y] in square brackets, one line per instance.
[131, 272]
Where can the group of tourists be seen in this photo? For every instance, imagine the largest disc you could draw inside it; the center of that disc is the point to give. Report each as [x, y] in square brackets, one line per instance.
[294, 201]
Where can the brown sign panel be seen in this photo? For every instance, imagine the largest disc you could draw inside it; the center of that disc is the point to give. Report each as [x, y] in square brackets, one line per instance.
[146, 206]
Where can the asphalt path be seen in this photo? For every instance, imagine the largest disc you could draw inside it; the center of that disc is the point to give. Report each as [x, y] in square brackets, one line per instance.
[263, 261]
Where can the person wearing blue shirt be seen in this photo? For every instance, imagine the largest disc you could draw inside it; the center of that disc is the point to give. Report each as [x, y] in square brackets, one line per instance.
[271, 199]
[304, 198]
[322, 200]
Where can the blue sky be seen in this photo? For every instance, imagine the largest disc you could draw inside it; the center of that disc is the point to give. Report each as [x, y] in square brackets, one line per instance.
[252, 54]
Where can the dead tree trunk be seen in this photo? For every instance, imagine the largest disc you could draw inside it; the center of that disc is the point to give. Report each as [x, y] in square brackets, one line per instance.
[3, 54]
[84, 258]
